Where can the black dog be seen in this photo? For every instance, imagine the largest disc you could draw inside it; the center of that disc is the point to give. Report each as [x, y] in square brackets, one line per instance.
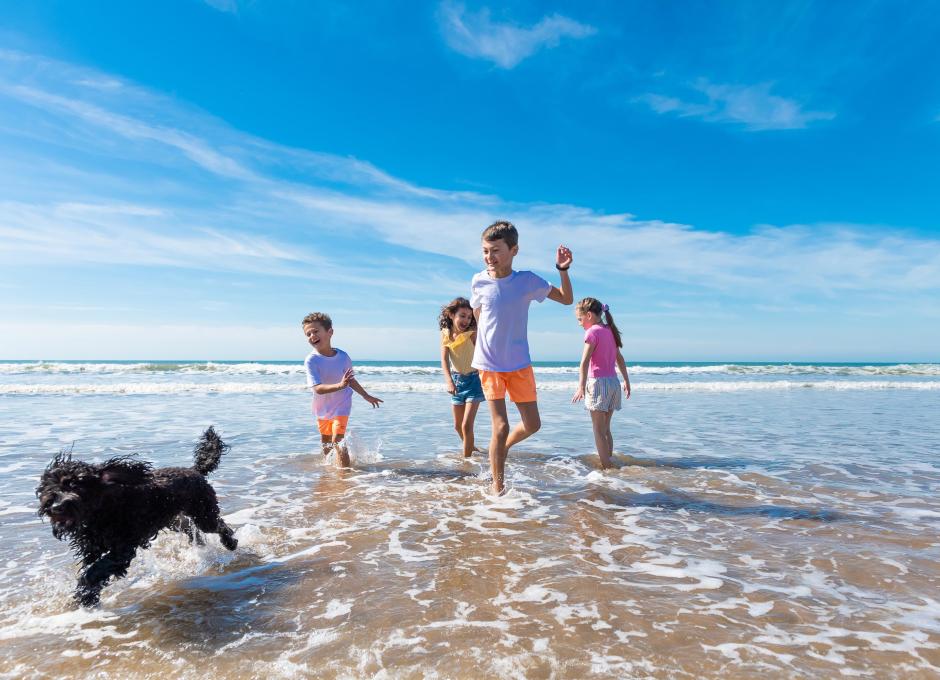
[108, 511]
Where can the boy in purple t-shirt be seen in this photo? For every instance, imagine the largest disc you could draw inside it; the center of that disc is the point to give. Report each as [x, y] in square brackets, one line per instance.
[330, 377]
[500, 298]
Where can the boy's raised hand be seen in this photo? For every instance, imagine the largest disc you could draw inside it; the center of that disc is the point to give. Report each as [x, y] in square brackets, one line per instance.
[563, 257]
[347, 377]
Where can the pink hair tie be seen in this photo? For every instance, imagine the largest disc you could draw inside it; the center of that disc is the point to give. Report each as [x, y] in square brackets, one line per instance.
[606, 308]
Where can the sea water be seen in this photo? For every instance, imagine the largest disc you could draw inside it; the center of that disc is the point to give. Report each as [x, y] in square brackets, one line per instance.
[772, 519]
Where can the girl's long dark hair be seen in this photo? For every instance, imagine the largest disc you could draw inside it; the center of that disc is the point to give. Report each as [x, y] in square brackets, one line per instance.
[448, 310]
[594, 306]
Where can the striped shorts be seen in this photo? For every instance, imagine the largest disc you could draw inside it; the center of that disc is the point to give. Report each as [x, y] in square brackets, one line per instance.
[602, 394]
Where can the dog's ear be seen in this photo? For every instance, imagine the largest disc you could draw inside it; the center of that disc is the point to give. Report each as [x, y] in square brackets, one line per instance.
[125, 471]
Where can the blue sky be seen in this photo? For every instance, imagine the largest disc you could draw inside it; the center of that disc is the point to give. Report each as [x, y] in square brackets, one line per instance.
[738, 181]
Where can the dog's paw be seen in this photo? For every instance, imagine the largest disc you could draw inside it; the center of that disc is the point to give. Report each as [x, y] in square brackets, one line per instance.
[87, 599]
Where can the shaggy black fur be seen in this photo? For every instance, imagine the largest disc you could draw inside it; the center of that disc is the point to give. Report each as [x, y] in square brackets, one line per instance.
[108, 511]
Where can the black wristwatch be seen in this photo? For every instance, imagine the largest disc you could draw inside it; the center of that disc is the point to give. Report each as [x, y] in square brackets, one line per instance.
[562, 269]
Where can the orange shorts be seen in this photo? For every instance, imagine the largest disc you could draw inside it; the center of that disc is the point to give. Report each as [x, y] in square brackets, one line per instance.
[520, 385]
[331, 426]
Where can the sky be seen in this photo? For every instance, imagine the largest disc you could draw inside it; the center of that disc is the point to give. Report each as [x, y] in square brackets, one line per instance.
[738, 181]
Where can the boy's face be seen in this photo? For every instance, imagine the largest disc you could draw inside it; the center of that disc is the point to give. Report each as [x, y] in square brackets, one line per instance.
[317, 335]
[498, 256]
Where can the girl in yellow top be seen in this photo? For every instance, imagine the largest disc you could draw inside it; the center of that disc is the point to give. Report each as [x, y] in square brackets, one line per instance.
[458, 336]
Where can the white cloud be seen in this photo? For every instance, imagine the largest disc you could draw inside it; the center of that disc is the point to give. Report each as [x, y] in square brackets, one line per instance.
[752, 106]
[336, 195]
[476, 35]
[127, 341]
[228, 6]
[123, 176]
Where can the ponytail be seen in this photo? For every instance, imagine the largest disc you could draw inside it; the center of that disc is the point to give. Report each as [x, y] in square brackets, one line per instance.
[612, 326]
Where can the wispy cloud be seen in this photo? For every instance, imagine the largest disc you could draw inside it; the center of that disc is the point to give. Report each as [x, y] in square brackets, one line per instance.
[124, 176]
[347, 198]
[477, 35]
[229, 6]
[753, 106]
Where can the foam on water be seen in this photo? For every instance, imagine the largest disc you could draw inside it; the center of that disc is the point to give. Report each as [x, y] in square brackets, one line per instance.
[775, 531]
[282, 368]
[172, 388]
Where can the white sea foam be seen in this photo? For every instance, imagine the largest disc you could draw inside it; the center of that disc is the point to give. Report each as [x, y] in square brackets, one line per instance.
[393, 387]
[260, 368]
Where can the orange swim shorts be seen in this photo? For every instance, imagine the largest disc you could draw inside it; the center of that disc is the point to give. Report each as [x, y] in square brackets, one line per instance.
[331, 426]
[520, 385]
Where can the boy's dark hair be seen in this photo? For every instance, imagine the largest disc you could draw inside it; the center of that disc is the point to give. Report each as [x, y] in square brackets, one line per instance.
[448, 310]
[320, 318]
[501, 229]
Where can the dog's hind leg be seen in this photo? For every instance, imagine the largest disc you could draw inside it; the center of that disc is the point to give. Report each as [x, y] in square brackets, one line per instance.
[96, 577]
[185, 525]
[213, 524]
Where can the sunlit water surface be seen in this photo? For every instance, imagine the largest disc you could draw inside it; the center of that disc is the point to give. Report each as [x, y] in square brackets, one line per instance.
[755, 528]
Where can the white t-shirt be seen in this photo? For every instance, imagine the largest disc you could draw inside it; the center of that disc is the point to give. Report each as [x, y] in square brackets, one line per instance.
[502, 329]
[323, 370]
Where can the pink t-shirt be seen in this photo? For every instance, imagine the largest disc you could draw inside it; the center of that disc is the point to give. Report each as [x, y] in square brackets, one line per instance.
[603, 361]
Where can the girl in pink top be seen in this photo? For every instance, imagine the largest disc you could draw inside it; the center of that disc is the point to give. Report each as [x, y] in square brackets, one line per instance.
[598, 384]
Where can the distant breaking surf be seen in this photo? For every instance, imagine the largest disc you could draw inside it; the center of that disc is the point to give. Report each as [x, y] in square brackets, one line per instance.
[144, 388]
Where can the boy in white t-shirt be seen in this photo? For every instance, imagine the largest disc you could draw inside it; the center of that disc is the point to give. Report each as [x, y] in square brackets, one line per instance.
[330, 376]
[500, 298]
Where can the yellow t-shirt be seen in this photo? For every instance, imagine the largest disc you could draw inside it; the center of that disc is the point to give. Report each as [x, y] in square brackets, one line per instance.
[460, 350]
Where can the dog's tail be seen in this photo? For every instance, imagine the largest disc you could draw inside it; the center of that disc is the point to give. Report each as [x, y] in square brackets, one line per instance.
[208, 452]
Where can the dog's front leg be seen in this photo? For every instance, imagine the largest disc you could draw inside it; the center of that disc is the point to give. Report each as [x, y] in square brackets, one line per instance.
[95, 577]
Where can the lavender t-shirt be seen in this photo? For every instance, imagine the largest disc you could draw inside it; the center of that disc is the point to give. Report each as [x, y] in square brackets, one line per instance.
[604, 358]
[324, 370]
[502, 329]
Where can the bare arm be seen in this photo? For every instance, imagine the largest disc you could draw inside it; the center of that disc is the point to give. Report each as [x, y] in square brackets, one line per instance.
[565, 294]
[622, 365]
[445, 367]
[327, 388]
[358, 389]
[583, 371]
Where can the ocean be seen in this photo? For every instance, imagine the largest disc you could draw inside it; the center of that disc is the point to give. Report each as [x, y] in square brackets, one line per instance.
[767, 519]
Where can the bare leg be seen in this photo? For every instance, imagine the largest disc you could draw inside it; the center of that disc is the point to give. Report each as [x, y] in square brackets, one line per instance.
[599, 424]
[326, 443]
[466, 427]
[459, 410]
[610, 435]
[498, 443]
[529, 425]
[342, 453]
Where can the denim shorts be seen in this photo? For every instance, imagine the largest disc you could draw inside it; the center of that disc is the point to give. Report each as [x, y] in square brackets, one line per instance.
[468, 388]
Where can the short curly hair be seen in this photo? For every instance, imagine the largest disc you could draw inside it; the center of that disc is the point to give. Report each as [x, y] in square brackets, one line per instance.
[320, 318]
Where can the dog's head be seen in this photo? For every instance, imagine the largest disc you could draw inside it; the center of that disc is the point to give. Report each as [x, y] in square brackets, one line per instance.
[71, 491]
